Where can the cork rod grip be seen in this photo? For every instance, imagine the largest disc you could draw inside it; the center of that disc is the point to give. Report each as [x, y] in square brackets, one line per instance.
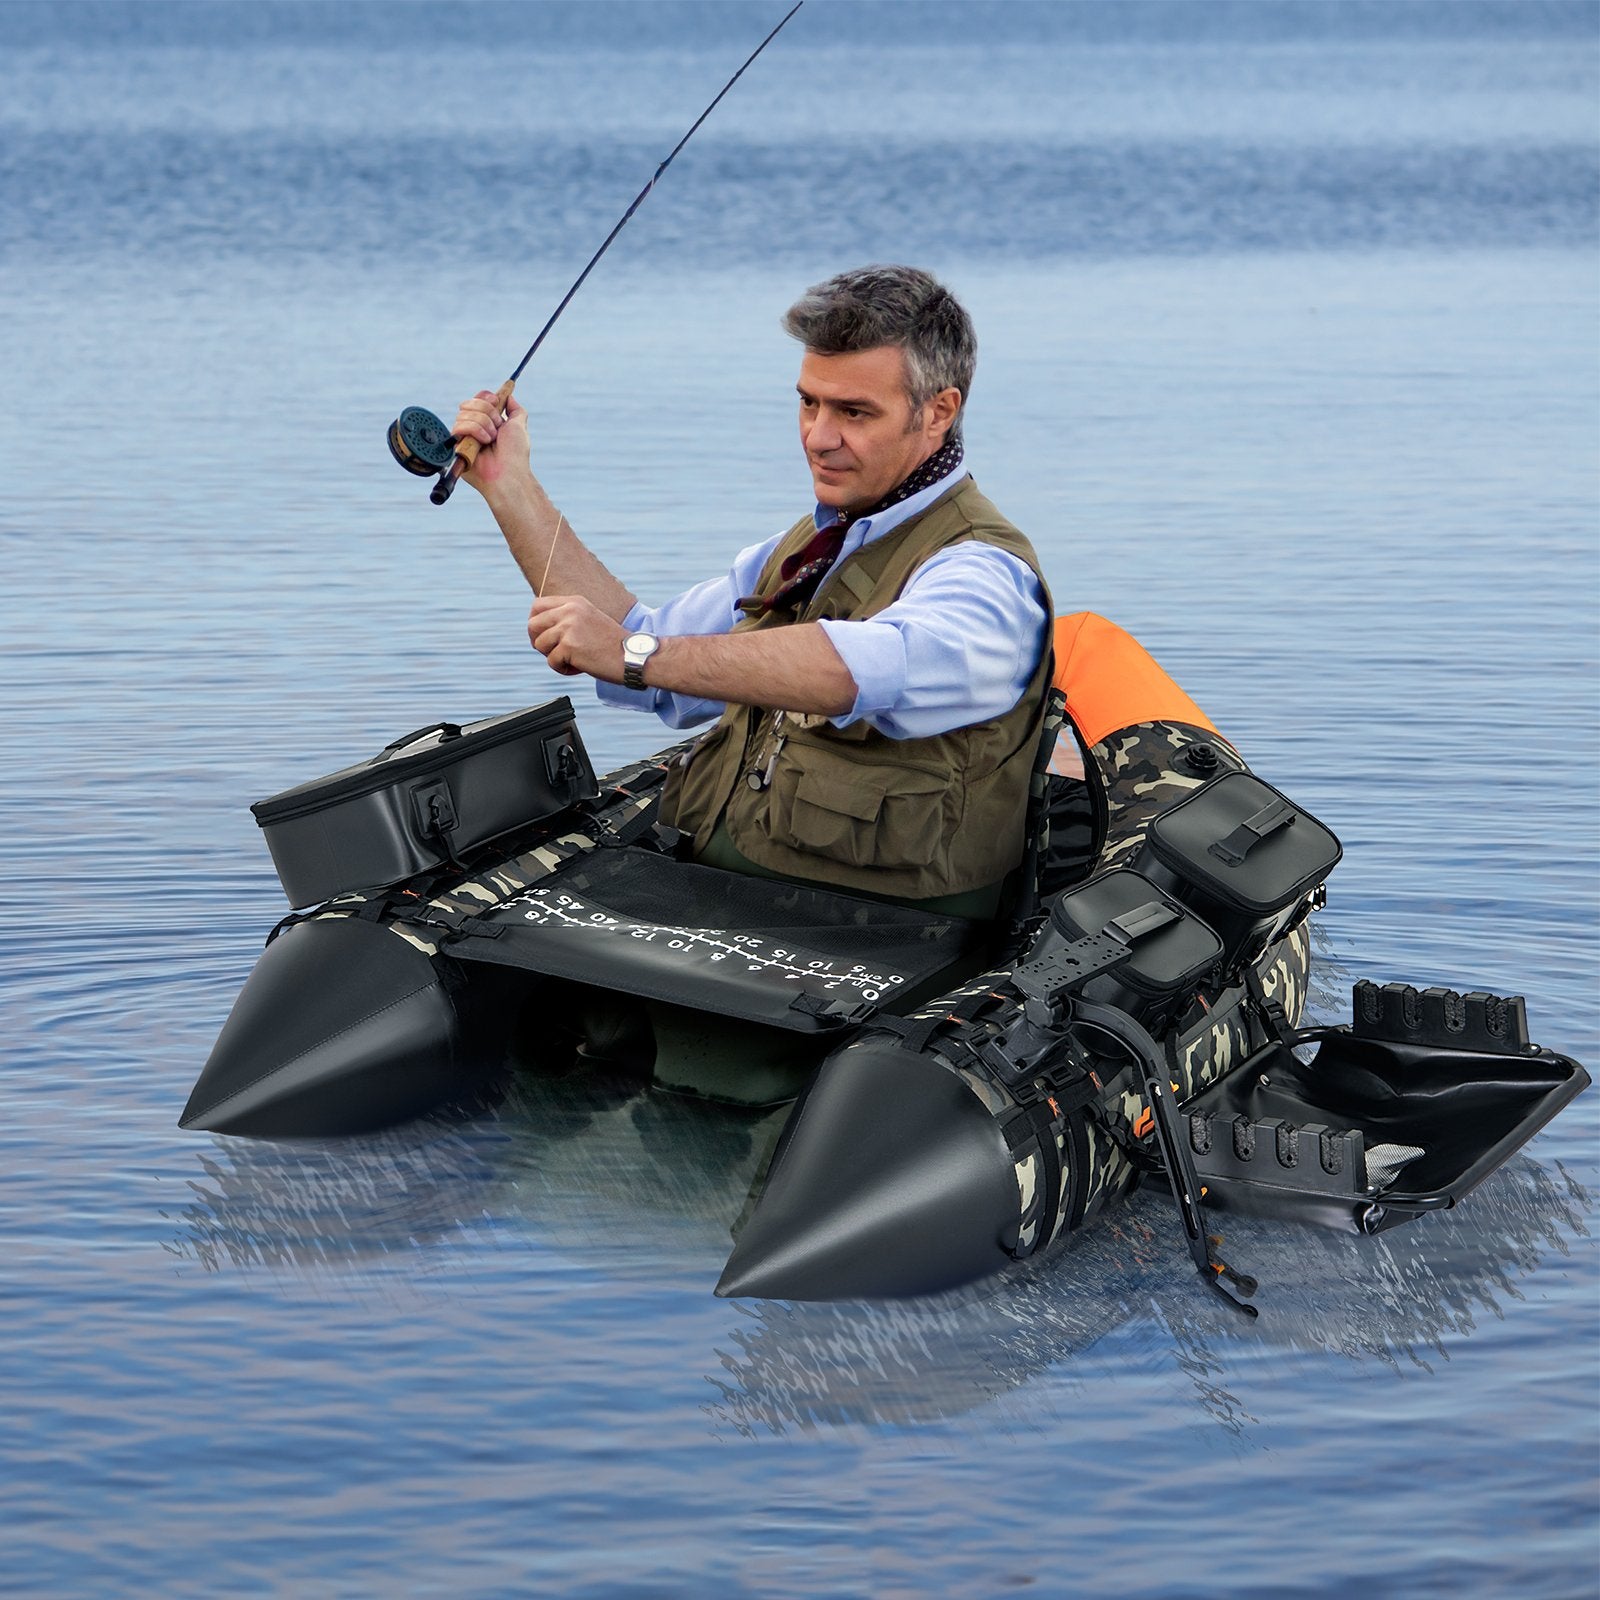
[467, 452]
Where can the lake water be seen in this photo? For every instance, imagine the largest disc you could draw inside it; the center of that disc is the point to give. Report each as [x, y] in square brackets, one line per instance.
[1289, 319]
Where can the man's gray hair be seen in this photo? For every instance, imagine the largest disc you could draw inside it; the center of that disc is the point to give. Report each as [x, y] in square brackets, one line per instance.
[872, 306]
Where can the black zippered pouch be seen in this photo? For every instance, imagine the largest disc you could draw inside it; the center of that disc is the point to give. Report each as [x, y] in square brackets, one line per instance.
[424, 801]
[1163, 969]
[1241, 855]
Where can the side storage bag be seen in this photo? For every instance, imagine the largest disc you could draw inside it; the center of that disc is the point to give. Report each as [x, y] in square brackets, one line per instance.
[425, 800]
[1166, 966]
[1242, 856]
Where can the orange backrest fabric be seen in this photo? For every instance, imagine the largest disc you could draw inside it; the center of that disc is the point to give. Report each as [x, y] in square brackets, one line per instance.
[1111, 681]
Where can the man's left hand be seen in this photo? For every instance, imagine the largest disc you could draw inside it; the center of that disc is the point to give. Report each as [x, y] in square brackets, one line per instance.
[575, 636]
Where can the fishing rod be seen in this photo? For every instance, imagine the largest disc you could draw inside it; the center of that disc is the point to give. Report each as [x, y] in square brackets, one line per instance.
[421, 443]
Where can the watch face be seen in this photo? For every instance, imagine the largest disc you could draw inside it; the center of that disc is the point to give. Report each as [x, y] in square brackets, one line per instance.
[642, 644]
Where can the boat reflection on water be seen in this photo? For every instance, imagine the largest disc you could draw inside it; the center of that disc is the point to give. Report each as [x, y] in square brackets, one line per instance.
[1123, 1295]
[637, 1181]
[578, 1164]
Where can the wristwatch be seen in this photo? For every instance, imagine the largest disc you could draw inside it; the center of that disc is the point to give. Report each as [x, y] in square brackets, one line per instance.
[637, 649]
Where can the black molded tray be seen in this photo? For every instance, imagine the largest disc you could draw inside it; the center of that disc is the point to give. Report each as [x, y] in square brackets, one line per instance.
[1431, 1093]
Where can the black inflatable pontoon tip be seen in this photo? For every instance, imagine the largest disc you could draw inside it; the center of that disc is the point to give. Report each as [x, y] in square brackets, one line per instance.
[420, 442]
[341, 1028]
[892, 1181]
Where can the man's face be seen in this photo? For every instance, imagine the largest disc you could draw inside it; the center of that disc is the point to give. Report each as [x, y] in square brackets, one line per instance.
[857, 428]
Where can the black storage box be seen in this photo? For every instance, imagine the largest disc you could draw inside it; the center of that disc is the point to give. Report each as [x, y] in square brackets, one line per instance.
[425, 800]
[1240, 854]
[1164, 968]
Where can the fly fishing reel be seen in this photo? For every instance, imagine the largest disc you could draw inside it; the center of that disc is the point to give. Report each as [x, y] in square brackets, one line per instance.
[421, 443]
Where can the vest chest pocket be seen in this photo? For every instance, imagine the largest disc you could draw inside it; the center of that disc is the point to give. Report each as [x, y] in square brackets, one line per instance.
[830, 806]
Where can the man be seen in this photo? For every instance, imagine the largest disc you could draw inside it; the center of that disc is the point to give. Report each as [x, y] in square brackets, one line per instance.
[878, 671]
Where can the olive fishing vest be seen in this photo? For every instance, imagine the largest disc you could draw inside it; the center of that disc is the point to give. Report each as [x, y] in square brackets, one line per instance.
[908, 818]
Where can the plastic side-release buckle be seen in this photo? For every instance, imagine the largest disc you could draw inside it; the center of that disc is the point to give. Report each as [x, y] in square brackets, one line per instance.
[453, 924]
[1270, 1007]
[672, 841]
[835, 1013]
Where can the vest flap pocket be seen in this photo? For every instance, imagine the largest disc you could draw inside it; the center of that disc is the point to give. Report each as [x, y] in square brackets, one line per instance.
[855, 794]
[860, 815]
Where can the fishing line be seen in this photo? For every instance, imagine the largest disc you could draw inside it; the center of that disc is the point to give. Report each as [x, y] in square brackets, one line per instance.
[561, 522]
[421, 443]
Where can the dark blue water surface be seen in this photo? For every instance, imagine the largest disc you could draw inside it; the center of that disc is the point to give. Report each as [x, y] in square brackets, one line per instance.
[1289, 325]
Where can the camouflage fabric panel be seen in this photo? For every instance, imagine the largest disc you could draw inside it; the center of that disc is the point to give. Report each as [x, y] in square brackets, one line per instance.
[1140, 778]
[625, 796]
[1286, 973]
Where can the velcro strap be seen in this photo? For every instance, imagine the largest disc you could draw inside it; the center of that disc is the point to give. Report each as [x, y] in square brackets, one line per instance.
[913, 1032]
[1078, 1168]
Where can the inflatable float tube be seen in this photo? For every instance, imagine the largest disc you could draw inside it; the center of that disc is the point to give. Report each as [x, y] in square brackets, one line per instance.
[966, 1095]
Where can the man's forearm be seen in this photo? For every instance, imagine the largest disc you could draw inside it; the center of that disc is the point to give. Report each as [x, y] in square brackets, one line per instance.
[789, 669]
[552, 557]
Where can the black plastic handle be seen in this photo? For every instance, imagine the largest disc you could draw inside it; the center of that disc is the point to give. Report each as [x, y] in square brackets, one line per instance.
[445, 730]
[1273, 815]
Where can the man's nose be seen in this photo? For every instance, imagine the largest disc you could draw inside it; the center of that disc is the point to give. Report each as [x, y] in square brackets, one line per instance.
[823, 434]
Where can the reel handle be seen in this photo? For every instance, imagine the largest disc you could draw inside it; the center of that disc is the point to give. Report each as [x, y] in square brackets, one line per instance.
[466, 452]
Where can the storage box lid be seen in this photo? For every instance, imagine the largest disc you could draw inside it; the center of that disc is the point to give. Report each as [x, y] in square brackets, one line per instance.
[428, 750]
[1245, 845]
[1171, 959]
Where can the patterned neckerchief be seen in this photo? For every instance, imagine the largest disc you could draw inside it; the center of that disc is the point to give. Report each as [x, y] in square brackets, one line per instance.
[800, 573]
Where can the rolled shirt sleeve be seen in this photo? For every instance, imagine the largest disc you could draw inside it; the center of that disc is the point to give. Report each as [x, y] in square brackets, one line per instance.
[958, 645]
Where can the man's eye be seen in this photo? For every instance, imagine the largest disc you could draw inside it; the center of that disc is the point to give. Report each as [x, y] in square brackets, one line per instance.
[852, 412]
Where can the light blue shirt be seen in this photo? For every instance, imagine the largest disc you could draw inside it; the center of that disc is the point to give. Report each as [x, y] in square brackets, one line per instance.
[956, 647]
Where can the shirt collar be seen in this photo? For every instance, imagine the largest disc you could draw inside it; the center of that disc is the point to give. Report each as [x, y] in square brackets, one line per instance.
[865, 529]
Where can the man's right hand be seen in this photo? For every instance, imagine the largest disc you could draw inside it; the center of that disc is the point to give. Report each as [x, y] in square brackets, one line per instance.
[505, 449]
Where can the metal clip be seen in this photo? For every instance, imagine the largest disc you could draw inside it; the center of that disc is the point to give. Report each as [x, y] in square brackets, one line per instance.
[759, 780]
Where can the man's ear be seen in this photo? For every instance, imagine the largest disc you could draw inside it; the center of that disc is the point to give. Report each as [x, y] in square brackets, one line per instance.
[942, 410]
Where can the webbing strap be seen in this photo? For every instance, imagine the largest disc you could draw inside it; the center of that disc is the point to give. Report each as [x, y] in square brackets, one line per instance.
[1273, 1016]
[1036, 838]
[1034, 1124]
[917, 1032]
[613, 837]
[1078, 1132]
